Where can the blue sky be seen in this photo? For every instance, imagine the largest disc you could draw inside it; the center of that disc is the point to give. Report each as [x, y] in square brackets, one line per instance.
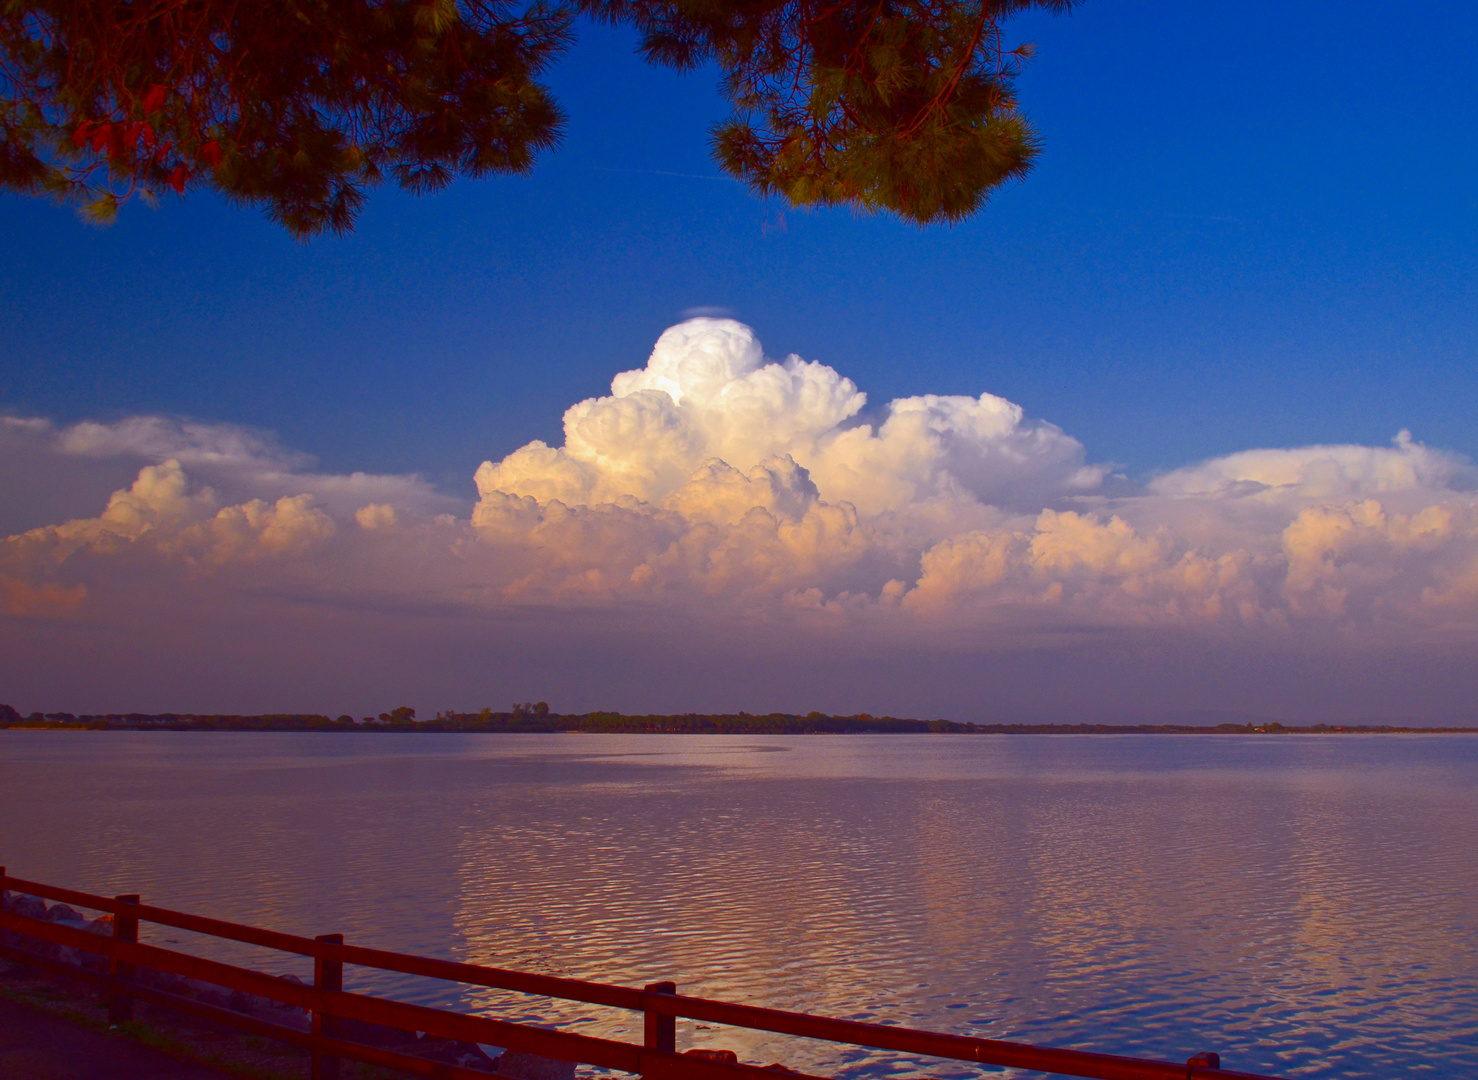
[1252, 224]
[1252, 227]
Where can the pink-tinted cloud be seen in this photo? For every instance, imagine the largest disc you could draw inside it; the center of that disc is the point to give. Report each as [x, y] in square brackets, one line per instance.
[719, 497]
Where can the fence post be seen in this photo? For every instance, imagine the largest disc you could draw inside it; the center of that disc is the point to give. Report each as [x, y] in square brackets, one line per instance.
[660, 1030]
[327, 975]
[1204, 1060]
[125, 928]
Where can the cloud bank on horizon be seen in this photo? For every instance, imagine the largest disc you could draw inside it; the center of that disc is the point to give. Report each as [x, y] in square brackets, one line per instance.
[717, 486]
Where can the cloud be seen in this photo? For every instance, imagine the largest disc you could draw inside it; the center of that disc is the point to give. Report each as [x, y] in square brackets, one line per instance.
[240, 462]
[192, 443]
[1323, 472]
[722, 495]
[1088, 571]
[161, 515]
[1360, 561]
[377, 516]
[709, 392]
[22, 598]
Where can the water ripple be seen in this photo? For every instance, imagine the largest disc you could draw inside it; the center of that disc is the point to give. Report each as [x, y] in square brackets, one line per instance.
[1305, 906]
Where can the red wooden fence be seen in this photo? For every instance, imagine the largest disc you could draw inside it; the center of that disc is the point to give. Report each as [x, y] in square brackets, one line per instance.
[655, 1059]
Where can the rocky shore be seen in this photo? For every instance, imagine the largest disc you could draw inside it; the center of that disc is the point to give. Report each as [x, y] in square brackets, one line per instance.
[509, 1063]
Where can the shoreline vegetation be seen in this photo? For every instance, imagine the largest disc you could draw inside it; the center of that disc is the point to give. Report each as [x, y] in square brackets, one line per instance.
[536, 717]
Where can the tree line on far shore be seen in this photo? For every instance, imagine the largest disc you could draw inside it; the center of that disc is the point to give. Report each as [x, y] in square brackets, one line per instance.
[535, 717]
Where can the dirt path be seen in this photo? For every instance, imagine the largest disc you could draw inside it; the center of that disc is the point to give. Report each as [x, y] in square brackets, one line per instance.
[35, 1045]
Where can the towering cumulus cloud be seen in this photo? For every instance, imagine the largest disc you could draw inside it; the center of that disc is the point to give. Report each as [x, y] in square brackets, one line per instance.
[708, 395]
[715, 487]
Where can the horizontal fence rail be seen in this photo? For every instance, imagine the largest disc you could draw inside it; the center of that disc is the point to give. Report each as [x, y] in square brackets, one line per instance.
[327, 1002]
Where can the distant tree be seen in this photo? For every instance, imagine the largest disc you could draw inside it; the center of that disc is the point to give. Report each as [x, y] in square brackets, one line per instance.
[300, 106]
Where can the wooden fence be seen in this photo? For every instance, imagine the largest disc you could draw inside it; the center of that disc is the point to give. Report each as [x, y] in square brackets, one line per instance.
[327, 1002]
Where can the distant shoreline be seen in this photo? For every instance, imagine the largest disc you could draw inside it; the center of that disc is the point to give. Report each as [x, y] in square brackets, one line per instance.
[538, 720]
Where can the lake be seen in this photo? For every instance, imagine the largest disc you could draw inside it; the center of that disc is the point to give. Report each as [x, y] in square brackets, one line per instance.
[1305, 905]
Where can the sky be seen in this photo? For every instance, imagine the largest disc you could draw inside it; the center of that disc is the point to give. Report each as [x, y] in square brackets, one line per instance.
[1181, 424]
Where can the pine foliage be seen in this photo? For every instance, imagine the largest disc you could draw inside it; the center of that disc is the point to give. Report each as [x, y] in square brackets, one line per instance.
[296, 105]
[898, 105]
[300, 106]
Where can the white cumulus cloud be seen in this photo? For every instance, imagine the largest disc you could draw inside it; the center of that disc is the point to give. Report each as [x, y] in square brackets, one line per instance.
[1322, 472]
[708, 392]
[240, 462]
[159, 513]
[717, 484]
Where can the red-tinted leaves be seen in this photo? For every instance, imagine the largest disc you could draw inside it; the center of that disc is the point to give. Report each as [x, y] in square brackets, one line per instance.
[308, 104]
[177, 178]
[154, 98]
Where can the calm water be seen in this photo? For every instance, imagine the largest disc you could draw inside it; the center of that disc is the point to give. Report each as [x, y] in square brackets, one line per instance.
[1307, 906]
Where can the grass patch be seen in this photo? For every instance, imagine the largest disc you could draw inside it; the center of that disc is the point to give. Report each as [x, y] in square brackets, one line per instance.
[251, 1057]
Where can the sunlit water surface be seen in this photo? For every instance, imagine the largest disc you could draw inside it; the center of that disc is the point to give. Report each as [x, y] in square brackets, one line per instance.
[1307, 906]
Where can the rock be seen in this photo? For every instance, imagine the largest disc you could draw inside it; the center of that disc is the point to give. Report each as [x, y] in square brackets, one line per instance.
[453, 1052]
[523, 1066]
[728, 1057]
[362, 1031]
[65, 954]
[29, 906]
[164, 980]
[62, 913]
[274, 1012]
[210, 995]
